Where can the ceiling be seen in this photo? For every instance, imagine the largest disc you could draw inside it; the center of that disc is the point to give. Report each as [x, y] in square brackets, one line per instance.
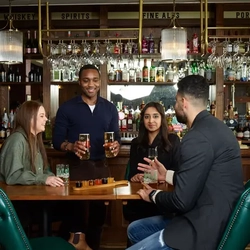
[107, 2]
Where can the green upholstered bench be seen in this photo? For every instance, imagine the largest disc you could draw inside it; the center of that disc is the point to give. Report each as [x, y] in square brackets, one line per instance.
[13, 237]
[237, 233]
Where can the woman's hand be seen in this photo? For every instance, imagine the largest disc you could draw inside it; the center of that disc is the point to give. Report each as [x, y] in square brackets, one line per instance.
[137, 178]
[54, 181]
[154, 164]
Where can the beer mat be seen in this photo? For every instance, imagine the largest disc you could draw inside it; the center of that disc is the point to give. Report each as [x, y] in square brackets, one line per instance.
[114, 184]
[242, 146]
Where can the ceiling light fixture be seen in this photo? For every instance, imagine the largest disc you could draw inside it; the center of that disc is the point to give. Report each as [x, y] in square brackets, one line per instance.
[174, 42]
[11, 42]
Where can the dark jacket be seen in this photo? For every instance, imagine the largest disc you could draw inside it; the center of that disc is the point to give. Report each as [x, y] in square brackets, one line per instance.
[207, 186]
[169, 159]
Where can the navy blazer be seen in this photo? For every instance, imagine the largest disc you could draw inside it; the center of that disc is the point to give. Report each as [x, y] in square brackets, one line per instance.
[207, 186]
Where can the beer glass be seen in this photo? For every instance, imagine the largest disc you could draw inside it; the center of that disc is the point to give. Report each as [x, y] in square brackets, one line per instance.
[85, 138]
[151, 178]
[108, 140]
[62, 171]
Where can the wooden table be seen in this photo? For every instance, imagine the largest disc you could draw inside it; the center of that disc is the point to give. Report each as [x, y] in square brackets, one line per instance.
[47, 193]
[130, 192]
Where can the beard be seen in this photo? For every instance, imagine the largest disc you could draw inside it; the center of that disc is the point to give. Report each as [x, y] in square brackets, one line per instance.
[181, 118]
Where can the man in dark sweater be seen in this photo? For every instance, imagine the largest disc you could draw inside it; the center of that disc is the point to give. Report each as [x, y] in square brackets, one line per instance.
[86, 114]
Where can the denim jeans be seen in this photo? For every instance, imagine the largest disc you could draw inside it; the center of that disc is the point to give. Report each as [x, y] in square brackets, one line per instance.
[147, 233]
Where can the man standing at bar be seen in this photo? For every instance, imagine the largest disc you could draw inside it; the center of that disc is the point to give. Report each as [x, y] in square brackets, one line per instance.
[92, 114]
[206, 186]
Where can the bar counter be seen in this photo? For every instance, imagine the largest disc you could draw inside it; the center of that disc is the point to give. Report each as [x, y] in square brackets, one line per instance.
[119, 163]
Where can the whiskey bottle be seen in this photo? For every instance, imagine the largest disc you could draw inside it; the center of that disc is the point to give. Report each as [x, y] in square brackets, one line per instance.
[145, 71]
[28, 44]
[34, 45]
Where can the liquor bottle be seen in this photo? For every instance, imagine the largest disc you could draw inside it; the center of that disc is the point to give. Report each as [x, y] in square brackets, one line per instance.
[34, 47]
[10, 75]
[111, 74]
[130, 121]
[5, 119]
[2, 131]
[151, 44]
[38, 75]
[195, 43]
[152, 71]
[11, 118]
[32, 74]
[125, 74]
[145, 71]
[144, 45]
[118, 74]
[212, 108]
[142, 105]
[138, 74]
[8, 130]
[2, 74]
[132, 72]
[28, 44]
[18, 77]
[160, 74]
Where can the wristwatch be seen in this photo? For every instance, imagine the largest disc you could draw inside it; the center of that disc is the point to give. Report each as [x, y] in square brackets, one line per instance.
[151, 194]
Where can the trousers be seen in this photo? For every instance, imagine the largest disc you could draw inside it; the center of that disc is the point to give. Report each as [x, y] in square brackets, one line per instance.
[147, 233]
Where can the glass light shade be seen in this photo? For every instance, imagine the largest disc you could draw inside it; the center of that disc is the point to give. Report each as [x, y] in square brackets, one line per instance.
[174, 44]
[11, 47]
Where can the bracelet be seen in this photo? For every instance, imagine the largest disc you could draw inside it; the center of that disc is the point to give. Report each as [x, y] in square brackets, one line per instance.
[65, 146]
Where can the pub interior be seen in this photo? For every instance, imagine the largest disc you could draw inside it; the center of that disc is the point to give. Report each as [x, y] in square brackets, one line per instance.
[125, 41]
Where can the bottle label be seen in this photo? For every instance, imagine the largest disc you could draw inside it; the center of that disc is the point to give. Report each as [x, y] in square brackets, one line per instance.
[28, 50]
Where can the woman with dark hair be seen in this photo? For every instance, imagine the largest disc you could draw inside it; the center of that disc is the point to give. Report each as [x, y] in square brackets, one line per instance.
[23, 158]
[153, 133]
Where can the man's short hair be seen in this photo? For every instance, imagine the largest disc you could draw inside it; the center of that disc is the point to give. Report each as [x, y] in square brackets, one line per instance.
[88, 66]
[195, 86]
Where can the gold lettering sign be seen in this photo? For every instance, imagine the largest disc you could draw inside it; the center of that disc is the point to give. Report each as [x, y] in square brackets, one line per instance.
[156, 15]
[20, 16]
[237, 14]
[74, 15]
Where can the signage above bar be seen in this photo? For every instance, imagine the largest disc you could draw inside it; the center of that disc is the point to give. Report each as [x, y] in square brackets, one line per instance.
[74, 15]
[20, 16]
[237, 14]
[156, 15]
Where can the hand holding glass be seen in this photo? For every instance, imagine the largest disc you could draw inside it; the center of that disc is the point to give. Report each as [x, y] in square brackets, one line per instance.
[85, 138]
[108, 140]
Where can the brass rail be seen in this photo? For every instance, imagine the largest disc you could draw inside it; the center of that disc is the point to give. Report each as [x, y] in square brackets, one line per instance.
[48, 30]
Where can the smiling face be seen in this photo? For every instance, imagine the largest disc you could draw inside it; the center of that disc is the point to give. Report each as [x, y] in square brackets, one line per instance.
[152, 119]
[38, 124]
[90, 83]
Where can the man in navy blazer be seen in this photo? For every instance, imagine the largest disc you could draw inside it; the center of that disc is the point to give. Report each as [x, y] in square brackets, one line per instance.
[206, 187]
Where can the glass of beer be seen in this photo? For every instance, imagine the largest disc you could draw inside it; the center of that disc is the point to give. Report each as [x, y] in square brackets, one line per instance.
[108, 140]
[85, 138]
[151, 178]
[62, 171]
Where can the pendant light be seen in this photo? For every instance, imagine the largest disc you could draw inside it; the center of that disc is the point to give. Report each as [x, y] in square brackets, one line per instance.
[11, 42]
[174, 42]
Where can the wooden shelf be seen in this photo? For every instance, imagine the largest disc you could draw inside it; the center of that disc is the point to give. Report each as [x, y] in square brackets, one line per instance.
[33, 56]
[236, 82]
[20, 83]
[141, 83]
[64, 83]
